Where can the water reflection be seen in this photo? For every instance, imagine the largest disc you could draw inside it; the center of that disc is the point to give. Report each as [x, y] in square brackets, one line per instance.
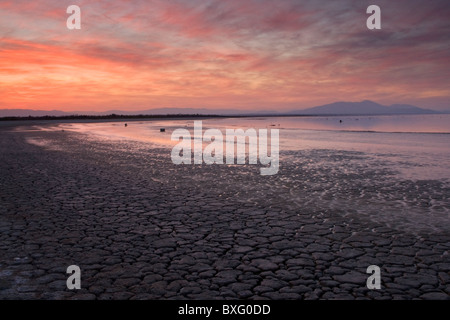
[416, 146]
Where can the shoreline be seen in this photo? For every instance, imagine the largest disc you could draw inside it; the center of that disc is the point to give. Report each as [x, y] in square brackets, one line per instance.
[31, 122]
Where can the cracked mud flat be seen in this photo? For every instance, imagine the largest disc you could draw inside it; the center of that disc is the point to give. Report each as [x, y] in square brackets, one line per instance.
[140, 227]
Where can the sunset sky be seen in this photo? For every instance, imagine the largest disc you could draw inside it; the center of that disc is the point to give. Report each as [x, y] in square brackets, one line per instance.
[237, 54]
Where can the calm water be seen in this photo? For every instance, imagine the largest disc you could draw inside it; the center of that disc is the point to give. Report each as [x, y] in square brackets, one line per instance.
[417, 146]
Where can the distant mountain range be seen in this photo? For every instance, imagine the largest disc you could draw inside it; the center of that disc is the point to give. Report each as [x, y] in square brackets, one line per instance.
[365, 107]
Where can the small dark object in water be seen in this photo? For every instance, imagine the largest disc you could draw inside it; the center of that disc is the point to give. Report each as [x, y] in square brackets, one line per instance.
[162, 130]
[340, 121]
[126, 125]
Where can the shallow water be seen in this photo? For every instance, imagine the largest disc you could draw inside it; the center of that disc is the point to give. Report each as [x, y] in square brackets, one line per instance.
[414, 146]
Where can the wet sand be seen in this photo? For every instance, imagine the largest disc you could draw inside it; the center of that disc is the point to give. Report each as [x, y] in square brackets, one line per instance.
[140, 227]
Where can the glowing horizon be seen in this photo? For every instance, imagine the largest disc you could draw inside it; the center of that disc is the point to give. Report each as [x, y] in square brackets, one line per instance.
[249, 55]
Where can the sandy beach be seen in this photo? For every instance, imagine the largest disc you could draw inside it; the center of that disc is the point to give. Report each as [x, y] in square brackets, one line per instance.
[140, 227]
